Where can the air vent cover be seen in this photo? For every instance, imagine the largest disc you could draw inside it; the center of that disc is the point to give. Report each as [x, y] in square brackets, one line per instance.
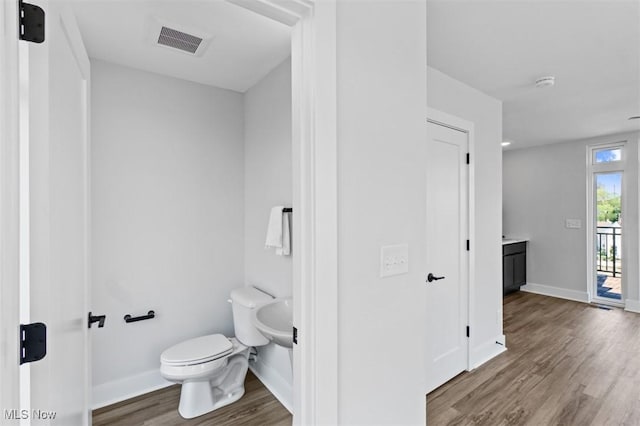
[179, 40]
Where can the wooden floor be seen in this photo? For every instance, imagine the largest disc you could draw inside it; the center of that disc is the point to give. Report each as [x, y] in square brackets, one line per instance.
[568, 363]
[257, 407]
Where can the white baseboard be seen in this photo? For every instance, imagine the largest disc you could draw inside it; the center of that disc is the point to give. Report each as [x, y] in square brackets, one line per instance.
[562, 293]
[487, 351]
[119, 390]
[270, 378]
[632, 305]
[129, 387]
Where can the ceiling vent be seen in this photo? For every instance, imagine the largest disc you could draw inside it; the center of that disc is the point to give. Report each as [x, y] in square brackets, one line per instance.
[187, 40]
[179, 40]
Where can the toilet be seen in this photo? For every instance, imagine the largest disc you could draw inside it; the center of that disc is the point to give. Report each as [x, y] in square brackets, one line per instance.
[212, 368]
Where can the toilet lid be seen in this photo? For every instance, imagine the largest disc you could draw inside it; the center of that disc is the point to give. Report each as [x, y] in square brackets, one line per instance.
[198, 350]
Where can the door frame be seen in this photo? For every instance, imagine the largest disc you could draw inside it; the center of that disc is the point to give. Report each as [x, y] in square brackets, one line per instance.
[316, 392]
[9, 208]
[315, 195]
[592, 170]
[444, 119]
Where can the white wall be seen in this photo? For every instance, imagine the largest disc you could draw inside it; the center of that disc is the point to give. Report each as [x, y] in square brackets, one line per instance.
[455, 98]
[544, 186]
[268, 174]
[381, 92]
[168, 219]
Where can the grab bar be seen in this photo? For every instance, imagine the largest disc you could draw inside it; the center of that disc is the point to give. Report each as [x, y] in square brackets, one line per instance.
[129, 318]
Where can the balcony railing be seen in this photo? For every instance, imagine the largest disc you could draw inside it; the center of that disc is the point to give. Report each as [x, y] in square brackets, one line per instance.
[608, 246]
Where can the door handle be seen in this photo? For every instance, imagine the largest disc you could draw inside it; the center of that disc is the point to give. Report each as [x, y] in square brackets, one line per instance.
[432, 277]
[100, 319]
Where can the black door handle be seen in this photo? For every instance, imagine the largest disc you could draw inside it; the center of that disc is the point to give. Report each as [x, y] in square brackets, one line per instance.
[100, 319]
[432, 277]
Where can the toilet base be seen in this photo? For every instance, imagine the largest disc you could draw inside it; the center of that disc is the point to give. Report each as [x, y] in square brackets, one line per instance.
[199, 398]
[202, 396]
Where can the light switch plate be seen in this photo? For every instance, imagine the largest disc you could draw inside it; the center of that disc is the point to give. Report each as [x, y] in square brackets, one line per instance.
[573, 223]
[394, 260]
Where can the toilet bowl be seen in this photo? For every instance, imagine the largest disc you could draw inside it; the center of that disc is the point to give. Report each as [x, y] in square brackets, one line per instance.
[212, 368]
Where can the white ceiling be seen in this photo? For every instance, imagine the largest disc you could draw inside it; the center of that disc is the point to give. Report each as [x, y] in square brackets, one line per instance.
[502, 47]
[244, 48]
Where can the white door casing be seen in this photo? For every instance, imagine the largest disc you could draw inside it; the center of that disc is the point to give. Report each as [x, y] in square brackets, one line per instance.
[9, 208]
[314, 155]
[592, 171]
[58, 194]
[447, 302]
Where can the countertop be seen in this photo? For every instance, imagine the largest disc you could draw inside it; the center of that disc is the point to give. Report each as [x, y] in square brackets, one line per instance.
[506, 241]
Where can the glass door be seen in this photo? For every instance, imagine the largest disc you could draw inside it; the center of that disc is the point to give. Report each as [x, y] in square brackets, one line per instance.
[608, 237]
[606, 218]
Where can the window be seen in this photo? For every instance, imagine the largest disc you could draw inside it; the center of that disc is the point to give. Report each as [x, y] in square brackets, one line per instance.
[607, 155]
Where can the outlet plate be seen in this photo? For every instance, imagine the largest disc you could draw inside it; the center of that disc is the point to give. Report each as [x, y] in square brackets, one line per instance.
[394, 260]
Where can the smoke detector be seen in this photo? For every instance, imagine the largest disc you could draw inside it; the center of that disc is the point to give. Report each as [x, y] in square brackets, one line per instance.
[545, 81]
[177, 37]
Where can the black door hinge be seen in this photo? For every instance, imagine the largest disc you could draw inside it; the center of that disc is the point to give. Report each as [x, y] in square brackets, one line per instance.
[33, 342]
[468, 245]
[468, 331]
[295, 335]
[31, 22]
[468, 158]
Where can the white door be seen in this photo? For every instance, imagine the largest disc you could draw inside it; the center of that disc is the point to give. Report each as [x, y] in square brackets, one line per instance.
[56, 76]
[9, 210]
[447, 256]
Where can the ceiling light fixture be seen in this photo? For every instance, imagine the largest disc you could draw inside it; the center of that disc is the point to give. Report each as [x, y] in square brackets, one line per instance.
[547, 81]
[505, 143]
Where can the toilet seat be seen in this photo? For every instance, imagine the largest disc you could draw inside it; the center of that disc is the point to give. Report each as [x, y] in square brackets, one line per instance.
[197, 351]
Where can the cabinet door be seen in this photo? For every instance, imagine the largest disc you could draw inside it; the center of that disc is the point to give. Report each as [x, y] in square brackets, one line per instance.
[520, 269]
[508, 276]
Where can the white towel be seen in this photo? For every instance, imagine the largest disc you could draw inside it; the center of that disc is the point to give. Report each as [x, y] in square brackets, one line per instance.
[286, 237]
[278, 232]
[274, 229]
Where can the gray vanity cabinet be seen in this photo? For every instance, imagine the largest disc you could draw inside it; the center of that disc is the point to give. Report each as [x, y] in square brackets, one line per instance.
[514, 266]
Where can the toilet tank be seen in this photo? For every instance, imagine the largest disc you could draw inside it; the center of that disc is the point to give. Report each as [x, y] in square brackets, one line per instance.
[243, 301]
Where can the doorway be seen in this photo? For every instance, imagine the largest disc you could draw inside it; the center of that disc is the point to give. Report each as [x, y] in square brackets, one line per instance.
[312, 164]
[606, 231]
[608, 235]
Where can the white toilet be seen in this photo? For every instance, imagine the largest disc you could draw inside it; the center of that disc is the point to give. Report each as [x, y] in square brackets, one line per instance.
[212, 368]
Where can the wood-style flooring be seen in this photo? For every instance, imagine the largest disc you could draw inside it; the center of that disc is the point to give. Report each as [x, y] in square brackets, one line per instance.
[568, 363]
[160, 408]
